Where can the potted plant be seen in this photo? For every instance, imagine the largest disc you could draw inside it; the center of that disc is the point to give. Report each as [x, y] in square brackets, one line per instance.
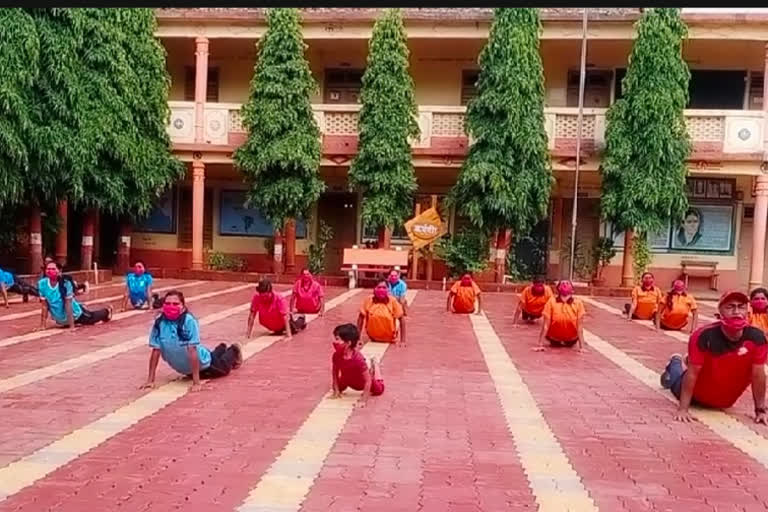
[602, 252]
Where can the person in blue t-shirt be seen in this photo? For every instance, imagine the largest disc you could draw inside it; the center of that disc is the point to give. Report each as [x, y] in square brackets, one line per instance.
[397, 289]
[175, 336]
[79, 288]
[57, 298]
[138, 288]
[11, 283]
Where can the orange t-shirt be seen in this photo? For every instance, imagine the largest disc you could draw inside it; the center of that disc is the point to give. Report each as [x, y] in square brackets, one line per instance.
[759, 320]
[563, 318]
[534, 304]
[647, 301]
[677, 317]
[381, 318]
[464, 300]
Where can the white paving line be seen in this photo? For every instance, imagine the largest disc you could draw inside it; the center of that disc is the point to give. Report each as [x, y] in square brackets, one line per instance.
[50, 332]
[289, 479]
[19, 300]
[722, 424]
[32, 376]
[26, 471]
[25, 314]
[552, 479]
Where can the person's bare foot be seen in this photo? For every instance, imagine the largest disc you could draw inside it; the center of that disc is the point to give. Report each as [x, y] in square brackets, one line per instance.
[239, 359]
[110, 310]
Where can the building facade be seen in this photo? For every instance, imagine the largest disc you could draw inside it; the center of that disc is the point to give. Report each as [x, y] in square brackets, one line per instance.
[211, 55]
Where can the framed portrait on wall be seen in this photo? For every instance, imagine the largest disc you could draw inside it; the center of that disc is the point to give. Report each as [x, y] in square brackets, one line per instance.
[705, 227]
[658, 241]
[162, 217]
[235, 219]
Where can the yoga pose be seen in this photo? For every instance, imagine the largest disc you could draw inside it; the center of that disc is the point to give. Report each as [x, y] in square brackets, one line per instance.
[462, 296]
[563, 318]
[79, 288]
[138, 289]
[307, 296]
[675, 309]
[175, 336]
[349, 368]
[273, 313]
[724, 358]
[397, 288]
[645, 300]
[57, 297]
[11, 283]
[380, 314]
[532, 300]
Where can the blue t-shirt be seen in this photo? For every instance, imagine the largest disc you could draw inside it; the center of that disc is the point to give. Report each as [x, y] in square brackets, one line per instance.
[54, 300]
[137, 287]
[6, 278]
[174, 351]
[398, 289]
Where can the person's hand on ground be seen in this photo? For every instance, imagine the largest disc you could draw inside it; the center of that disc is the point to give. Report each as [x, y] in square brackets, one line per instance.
[147, 385]
[683, 416]
[761, 418]
[196, 388]
[539, 348]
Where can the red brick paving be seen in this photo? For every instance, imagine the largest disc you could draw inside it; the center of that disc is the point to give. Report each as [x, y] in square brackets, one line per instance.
[435, 441]
[618, 434]
[437, 437]
[205, 450]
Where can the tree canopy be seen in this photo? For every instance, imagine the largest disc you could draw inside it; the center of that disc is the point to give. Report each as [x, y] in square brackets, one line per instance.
[647, 143]
[383, 169]
[281, 157]
[506, 179]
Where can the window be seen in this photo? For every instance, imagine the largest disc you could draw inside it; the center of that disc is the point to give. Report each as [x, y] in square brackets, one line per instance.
[597, 88]
[235, 219]
[212, 90]
[342, 86]
[755, 91]
[468, 85]
[717, 89]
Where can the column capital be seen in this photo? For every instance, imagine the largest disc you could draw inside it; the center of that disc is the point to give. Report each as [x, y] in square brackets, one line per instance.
[198, 169]
[761, 185]
[201, 43]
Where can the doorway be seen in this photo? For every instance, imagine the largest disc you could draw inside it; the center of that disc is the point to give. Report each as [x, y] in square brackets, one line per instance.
[339, 211]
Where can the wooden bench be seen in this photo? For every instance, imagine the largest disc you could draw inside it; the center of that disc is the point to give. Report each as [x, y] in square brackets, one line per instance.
[358, 260]
[709, 268]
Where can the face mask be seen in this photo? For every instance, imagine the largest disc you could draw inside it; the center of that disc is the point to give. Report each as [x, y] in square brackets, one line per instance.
[466, 281]
[759, 305]
[52, 274]
[678, 287]
[171, 311]
[380, 293]
[339, 346]
[648, 282]
[393, 279]
[734, 324]
[538, 289]
[306, 279]
[139, 271]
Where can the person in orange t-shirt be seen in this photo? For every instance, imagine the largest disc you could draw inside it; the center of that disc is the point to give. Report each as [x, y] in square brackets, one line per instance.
[675, 309]
[758, 309]
[563, 317]
[380, 314]
[645, 299]
[462, 295]
[533, 298]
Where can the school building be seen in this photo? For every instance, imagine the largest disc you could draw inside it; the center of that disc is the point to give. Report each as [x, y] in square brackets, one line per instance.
[211, 56]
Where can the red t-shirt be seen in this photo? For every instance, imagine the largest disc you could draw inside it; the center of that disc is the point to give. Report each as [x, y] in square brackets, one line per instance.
[352, 370]
[272, 314]
[726, 366]
[308, 299]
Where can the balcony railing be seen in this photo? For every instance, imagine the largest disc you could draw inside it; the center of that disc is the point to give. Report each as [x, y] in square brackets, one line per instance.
[716, 134]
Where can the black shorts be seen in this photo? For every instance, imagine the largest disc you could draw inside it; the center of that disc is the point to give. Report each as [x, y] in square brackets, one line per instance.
[558, 344]
[529, 317]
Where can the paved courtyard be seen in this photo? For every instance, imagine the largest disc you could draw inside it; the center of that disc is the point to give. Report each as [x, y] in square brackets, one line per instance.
[471, 420]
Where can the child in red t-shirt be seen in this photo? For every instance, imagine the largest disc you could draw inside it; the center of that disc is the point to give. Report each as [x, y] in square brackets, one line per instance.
[349, 368]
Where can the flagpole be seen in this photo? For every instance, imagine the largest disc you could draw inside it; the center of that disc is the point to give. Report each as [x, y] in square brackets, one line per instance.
[579, 122]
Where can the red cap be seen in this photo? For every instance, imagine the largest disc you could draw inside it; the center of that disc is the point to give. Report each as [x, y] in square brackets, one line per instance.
[733, 294]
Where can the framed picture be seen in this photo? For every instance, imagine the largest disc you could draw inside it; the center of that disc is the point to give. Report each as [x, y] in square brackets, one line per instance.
[705, 227]
[162, 218]
[235, 219]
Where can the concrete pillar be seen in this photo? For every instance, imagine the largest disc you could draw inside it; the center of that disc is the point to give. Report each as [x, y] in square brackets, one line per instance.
[503, 238]
[385, 238]
[201, 86]
[627, 272]
[290, 246]
[758, 232]
[86, 249]
[198, 202]
[61, 234]
[124, 247]
[277, 260]
[35, 240]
